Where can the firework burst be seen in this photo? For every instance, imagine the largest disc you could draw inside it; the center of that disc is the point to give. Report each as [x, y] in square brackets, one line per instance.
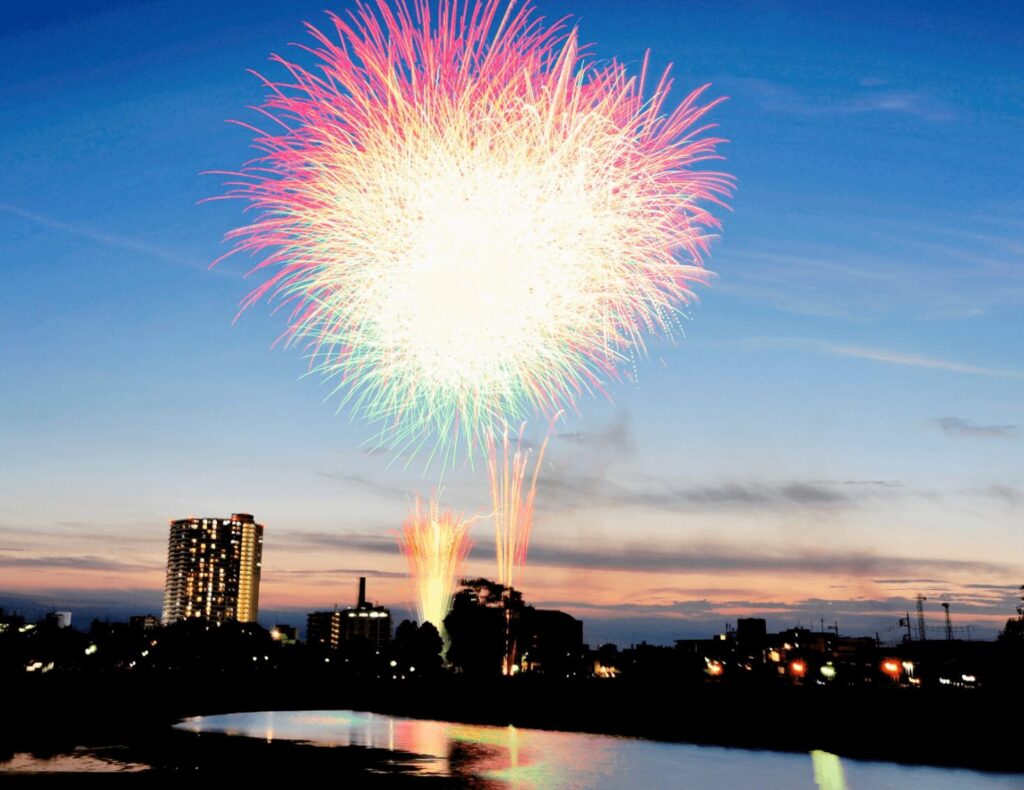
[513, 491]
[435, 542]
[472, 221]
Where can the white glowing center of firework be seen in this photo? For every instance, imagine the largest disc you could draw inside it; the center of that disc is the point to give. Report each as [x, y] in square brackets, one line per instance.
[485, 276]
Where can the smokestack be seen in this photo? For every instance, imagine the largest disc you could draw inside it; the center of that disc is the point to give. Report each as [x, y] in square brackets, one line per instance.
[362, 592]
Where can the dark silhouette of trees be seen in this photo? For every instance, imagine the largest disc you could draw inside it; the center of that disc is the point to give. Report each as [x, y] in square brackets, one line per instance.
[493, 631]
[484, 592]
[1014, 631]
[483, 626]
[196, 644]
[417, 651]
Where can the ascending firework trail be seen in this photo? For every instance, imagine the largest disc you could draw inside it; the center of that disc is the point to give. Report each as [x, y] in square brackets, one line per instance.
[435, 543]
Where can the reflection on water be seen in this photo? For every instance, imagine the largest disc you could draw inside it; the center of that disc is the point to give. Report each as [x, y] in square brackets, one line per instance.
[509, 757]
[828, 771]
[77, 761]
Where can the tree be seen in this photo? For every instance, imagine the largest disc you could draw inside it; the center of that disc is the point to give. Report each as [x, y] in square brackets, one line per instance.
[483, 626]
[417, 651]
[1014, 631]
[426, 649]
[484, 592]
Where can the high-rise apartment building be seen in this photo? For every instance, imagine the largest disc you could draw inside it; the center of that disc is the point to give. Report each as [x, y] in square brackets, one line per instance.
[213, 569]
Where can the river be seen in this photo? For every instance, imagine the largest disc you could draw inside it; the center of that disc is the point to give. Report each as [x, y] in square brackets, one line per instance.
[510, 757]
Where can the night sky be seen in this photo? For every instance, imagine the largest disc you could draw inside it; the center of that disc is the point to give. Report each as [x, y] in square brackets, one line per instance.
[838, 431]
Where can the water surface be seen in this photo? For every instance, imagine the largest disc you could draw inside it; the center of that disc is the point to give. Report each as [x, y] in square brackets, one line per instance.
[509, 757]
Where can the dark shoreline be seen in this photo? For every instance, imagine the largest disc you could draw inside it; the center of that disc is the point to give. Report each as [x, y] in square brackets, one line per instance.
[952, 728]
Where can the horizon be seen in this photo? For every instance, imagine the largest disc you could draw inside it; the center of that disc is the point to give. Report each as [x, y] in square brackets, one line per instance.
[119, 605]
[839, 431]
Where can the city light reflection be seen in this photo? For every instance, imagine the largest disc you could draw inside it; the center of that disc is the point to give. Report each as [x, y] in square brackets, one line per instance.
[828, 771]
[513, 758]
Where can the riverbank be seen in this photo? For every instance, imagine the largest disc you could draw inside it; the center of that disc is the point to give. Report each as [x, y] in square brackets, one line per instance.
[955, 728]
[151, 757]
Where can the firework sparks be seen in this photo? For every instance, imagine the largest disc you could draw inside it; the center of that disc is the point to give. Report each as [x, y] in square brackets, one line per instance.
[513, 491]
[435, 542]
[472, 221]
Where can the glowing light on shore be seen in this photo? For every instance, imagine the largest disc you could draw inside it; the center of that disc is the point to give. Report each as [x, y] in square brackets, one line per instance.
[513, 492]
[892, 668]
[471, 220]
[435, 543]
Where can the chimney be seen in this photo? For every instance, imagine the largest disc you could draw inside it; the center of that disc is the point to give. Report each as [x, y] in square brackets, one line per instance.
[362, 592]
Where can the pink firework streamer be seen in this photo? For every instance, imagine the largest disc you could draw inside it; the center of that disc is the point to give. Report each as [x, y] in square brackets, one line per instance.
[513, 493]
[471, 220]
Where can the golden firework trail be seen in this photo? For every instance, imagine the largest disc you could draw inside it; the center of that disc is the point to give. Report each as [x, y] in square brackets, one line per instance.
[435, 543]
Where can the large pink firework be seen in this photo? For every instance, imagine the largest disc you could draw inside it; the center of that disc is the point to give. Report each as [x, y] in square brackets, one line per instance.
[472, 221]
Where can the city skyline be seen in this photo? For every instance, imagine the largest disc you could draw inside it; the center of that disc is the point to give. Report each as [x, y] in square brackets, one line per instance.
[838, 432]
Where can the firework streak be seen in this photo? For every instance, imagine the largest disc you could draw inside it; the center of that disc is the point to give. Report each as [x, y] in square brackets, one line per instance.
[435, 542]
[513, 495]
[471, 220]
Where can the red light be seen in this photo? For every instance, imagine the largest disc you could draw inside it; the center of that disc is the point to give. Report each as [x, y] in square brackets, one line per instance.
[891, 668]
[798, 668]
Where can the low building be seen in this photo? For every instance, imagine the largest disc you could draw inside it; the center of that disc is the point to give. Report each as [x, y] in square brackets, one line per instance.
[143, 622]
[364, 625]
[58, 620]
[285, 634]
[751, 638]
[10, 622]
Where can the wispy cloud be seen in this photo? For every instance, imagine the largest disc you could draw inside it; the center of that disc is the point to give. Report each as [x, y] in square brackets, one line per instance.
[314, 572]
[885, 356]
[95, 535]
[919, 361]
[567, 489]
[691, 558]
[113, 598]
[616, 437]
[83, 563]
[373, 542]
[865, 98]
[102, 237]
[956, 427]
[587, 485]
[915, 265]
[374, 485]
[728, 560]
[1010, 495]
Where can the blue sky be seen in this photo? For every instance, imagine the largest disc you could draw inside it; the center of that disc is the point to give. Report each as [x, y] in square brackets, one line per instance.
[850, 388]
